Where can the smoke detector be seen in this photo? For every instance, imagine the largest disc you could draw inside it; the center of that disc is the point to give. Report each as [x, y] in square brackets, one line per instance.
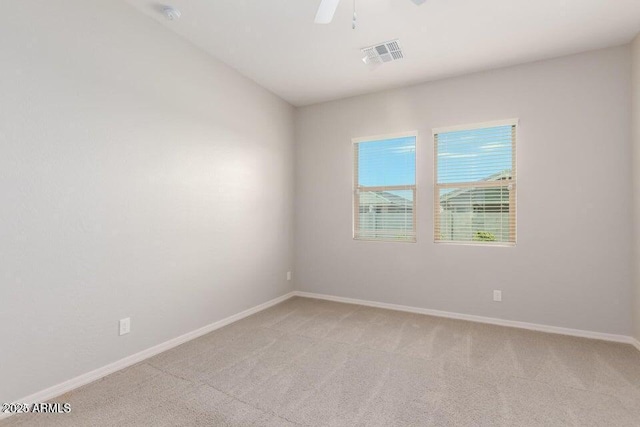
[381, 53]
[171, 13]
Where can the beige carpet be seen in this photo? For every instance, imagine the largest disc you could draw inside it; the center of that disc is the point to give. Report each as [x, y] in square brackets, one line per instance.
[310, 362]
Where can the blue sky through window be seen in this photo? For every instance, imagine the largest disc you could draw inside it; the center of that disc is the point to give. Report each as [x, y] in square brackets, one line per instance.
[387, 162]
[463, 156]
[474, 155]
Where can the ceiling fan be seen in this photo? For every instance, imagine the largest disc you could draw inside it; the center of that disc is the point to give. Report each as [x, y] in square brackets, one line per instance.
[328, 8]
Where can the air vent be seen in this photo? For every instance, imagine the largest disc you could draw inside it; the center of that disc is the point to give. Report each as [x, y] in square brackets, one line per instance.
[385, 52]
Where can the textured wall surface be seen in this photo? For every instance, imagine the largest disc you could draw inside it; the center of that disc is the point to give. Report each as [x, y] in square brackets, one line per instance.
[138, 178]
[571, 266]
[635, 111]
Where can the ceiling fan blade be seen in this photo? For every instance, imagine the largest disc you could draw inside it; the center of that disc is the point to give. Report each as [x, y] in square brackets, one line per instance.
[326, 10]
[418, 2]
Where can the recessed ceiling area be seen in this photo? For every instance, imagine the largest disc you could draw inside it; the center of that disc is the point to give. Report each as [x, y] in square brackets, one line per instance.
[277, 44]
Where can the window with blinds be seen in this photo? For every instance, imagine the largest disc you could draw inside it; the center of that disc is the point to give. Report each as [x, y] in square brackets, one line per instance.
[385, 189]
[475, 184]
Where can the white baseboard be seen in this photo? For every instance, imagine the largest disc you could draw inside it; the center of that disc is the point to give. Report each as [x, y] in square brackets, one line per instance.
[79, 381]
[480, 319]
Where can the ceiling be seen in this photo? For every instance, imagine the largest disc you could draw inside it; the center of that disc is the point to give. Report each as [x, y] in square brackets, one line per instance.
[276, 43]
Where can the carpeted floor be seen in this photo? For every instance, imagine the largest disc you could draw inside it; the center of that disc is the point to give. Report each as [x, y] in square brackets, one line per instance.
[311, 362]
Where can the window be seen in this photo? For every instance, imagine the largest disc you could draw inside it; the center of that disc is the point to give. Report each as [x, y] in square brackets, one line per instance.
[475, 184]
[385, 188]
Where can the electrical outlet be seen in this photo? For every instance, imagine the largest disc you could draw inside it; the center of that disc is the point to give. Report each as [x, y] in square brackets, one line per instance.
[125, 326]
[288, 275]
[497, 296]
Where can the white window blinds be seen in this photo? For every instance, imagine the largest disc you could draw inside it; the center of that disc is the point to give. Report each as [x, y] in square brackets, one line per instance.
[385, 189]
[475, 189]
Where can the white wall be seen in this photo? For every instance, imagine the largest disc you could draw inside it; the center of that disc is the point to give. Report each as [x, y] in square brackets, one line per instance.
[571, 266]
[138, 177]
[635, 47]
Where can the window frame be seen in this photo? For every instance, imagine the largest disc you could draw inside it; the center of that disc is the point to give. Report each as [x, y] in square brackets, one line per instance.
[356, 188]
[515, 123]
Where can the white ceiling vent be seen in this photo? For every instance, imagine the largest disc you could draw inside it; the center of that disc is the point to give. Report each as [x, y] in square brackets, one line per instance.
[385, 52]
